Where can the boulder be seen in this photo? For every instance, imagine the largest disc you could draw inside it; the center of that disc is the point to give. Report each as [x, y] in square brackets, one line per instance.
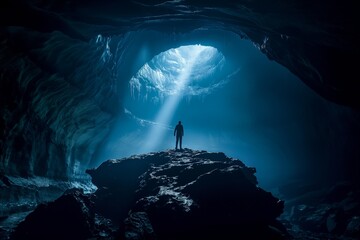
[185, 194]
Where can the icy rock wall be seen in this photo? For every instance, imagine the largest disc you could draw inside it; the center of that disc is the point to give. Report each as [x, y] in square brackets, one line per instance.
[58, 98]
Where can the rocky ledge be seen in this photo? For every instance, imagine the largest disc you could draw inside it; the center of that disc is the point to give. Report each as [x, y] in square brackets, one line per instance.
[165, 195]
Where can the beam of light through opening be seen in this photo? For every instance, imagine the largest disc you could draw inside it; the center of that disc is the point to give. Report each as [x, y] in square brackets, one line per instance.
[157, 133]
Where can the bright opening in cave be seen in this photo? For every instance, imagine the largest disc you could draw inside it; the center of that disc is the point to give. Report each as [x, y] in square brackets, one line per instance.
[170, 75]
[185, 70]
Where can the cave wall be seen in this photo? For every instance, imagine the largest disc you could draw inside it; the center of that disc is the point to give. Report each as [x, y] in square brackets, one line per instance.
[58, 98]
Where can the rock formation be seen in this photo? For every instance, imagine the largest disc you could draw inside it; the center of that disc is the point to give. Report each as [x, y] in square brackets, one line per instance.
[164, 195]
[322, 212]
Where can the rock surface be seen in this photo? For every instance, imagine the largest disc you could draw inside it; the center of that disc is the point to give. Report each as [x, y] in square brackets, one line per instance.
[20, 196]
[324, 213]
[69, 217]
[165, 195]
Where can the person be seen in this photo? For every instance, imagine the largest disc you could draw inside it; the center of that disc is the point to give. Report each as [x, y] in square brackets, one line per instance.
[179, 132]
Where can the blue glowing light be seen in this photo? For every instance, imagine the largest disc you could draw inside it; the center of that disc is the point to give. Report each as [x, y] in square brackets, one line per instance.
[170, 75]
[178, 71]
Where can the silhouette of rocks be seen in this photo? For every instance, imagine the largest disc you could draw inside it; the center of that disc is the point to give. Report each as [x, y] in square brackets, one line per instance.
[187, 195]
[69, 217]
[325, 213]
[165, 195]
[138, 226]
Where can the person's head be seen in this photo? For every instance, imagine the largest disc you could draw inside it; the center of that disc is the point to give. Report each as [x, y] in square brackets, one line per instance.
[180, 122]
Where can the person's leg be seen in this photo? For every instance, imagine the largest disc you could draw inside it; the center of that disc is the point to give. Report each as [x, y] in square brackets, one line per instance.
[180, 142]
[177, 140]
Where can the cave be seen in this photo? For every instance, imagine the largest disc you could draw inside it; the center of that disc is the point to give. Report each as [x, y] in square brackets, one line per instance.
[262, 88]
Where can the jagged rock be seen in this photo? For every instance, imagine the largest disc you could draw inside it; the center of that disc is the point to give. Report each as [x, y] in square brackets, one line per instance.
[21, 195]
[5, 181]
[117, 181]
[167, 195]
[138, 227]
[325, 213]
[187, 195]
[69, 217]
[353, 227]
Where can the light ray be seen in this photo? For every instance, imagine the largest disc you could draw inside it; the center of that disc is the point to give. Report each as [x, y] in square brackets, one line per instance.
[157, 133]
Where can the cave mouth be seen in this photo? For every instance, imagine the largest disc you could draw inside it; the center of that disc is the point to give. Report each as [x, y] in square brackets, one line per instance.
[190, 70]
[185, 71]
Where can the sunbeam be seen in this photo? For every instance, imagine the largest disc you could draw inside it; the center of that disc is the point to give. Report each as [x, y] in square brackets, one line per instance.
[157, 132]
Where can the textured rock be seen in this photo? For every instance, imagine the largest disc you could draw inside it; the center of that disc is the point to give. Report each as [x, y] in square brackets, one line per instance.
[353, 227]
[325, 213]
[166, 195]
[138, 226]
[314, 40]
[21, 195]
[186, 195]
[69, 217]
[52, 119]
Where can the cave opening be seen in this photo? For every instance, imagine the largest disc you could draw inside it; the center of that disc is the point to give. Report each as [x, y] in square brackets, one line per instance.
[166, 79]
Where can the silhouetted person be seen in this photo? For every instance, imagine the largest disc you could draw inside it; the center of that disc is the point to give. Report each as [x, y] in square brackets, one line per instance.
[179, 132]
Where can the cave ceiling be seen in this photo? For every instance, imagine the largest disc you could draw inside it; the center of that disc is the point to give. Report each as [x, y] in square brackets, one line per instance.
[314, 40]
